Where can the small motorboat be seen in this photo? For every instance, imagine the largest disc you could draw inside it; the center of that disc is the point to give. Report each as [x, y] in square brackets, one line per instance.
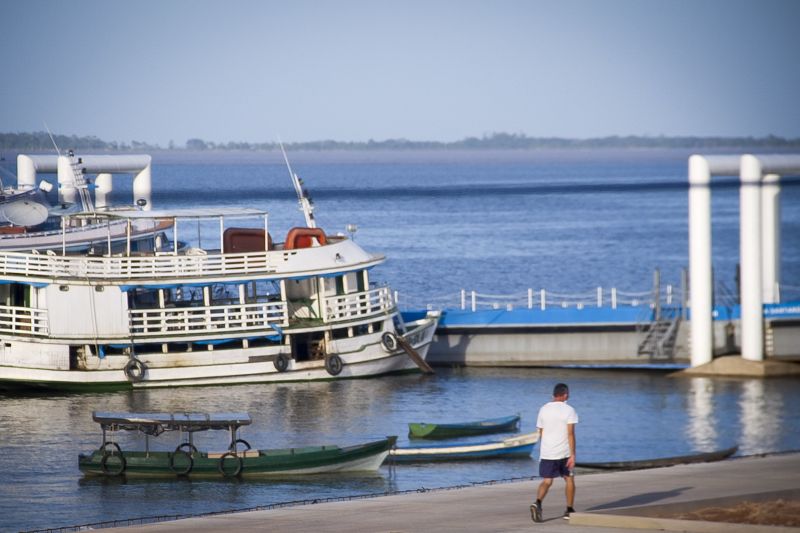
[236, 459]
[512, 447]
[424, 430]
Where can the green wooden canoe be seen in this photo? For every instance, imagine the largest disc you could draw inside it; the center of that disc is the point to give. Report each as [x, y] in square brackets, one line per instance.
[423, 430]
[231, 461]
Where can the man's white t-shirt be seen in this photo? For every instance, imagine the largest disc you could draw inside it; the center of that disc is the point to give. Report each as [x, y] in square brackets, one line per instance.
[553, 420]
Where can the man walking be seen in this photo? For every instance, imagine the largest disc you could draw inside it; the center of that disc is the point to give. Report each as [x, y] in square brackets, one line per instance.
[556, 423]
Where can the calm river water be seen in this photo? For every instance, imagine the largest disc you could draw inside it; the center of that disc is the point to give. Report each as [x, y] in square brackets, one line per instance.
[495, 222]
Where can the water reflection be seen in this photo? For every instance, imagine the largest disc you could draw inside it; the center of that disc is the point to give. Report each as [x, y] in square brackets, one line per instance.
[761, 417]
[701, 423]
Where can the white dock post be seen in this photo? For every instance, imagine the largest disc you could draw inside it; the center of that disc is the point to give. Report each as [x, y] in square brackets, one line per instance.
[599, 296]
[669, 294]
[700, 259]
[67, 193]
[613, 297]
[770, 237]
[750, 259]
[463, 299]
[474, 302]
[530, 298]
[104, 184]
[542, 300]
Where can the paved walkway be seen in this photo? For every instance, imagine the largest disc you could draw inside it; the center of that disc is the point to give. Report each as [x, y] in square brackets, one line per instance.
[505, 506]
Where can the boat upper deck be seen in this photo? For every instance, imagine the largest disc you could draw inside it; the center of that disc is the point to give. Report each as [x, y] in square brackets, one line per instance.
[334, 255]
[339, 255]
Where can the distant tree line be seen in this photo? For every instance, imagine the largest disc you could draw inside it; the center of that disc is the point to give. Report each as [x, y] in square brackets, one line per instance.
[517, 141]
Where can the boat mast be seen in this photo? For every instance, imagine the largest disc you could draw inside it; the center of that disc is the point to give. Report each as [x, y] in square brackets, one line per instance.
[306, 205]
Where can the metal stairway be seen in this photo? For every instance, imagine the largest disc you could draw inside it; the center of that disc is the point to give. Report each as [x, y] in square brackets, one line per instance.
[79, 181]
[660, 336]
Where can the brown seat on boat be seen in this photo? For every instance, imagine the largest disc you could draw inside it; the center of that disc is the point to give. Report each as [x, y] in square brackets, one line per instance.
[244, 240]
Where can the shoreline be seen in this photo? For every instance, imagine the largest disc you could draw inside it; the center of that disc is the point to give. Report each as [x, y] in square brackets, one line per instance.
[665, 483]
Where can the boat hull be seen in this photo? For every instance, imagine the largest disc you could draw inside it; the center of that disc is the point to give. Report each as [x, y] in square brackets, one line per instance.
[222, 367]
[423, 430]
[514, 447]
[251, 464]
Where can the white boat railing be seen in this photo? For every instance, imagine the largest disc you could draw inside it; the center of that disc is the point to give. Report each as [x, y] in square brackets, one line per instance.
[23, 320]
[545, 299]
[138, 267]
[354, 305]
[211, 319]
[162, 266]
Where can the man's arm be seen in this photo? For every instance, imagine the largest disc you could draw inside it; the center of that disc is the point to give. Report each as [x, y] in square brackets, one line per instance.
[571, 437]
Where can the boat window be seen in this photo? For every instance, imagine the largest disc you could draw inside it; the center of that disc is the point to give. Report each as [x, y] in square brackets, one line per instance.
[262, 291]
[16, 294]
[361, 329]
[339, 285]
[341, 333]
[140, 298]
[183, 296]
[261, 342]
[224, 294]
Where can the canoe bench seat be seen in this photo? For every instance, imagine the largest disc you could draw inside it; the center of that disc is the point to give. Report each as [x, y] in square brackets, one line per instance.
[248, 453]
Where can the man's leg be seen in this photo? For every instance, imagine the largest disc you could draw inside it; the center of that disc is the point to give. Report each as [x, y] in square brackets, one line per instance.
[544, 486]
[536, 508]
[570, 490]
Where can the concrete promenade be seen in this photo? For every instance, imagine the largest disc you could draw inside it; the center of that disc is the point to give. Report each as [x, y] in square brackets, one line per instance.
[616, 501]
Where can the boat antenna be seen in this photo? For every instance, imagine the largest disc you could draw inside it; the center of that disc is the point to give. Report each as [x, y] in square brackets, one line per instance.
[306, 205]
[52, 140]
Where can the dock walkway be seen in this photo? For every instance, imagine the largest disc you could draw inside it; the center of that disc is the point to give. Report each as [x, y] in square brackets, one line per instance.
[618, 501]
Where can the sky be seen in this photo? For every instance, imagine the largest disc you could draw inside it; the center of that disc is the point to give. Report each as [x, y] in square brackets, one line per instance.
[350, 70]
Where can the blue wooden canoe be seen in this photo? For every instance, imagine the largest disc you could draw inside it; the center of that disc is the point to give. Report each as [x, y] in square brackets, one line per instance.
[517, 446]
[424, 430]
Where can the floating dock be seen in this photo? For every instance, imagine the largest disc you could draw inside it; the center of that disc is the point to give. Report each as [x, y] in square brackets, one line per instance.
[625, 335]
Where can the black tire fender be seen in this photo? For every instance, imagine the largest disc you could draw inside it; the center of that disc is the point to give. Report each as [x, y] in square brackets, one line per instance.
[240, 441]
[114, 445]
[135, 370]
[281, 362]
[190, 448]
[109, 471]
[236, 471]
[334, 364]
[179, 452]
[389, 341]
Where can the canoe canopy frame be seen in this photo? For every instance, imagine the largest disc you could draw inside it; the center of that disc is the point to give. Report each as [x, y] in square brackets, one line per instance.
[154, 424]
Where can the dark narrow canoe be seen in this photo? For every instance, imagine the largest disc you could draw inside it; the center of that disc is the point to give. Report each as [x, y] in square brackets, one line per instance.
[422, 430]
[666, 461]
[512, 447]
[250, 463]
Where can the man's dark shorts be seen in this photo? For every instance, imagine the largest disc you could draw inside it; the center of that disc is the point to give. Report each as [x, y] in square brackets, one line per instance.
[553, 468]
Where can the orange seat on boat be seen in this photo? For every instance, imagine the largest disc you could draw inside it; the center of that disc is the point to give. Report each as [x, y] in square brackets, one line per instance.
[303, 238]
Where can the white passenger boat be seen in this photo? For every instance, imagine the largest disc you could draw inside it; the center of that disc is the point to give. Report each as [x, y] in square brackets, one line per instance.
[249, 310]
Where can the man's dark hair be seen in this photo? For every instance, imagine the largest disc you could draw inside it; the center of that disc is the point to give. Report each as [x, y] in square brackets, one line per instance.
[560, 390]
